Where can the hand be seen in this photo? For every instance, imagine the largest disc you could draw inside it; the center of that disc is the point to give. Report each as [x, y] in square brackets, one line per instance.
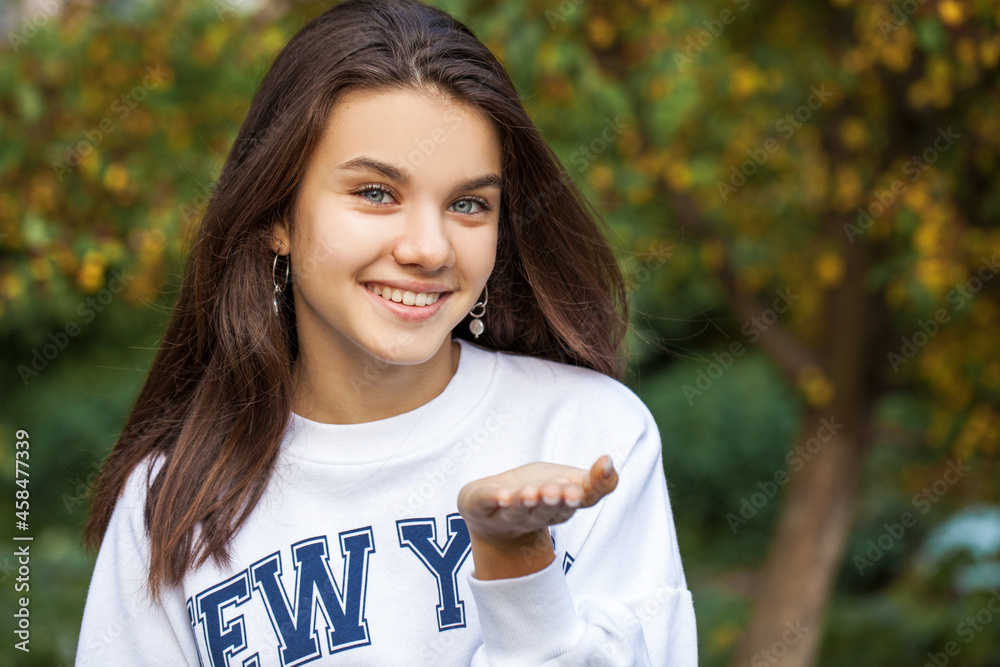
[508, 515]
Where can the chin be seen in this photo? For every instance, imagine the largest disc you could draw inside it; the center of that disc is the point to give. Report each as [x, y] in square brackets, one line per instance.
[407, 347]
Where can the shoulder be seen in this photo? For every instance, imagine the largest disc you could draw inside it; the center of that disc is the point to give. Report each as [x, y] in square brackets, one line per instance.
[580, 404]
[131, 503]
[577, 385]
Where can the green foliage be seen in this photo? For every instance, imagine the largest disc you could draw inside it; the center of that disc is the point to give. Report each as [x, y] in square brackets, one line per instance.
[719, 448]
[171, 82]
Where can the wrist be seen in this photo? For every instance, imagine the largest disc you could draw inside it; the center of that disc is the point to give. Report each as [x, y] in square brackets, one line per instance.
[510, 557]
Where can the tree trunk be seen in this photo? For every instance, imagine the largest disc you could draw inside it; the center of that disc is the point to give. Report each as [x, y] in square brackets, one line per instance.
[824, 470]
[815, 518]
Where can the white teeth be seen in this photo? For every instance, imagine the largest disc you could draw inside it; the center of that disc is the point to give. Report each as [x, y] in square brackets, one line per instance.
[405, 297]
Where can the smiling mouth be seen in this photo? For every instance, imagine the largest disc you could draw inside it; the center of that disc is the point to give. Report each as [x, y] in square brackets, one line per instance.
[404, 297]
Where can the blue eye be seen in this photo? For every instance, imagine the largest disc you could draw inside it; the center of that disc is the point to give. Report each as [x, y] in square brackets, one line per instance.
[376, 196]
[466, 206]
[375, 193]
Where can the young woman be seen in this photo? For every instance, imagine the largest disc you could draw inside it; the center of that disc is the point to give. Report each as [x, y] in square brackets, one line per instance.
[396, 346]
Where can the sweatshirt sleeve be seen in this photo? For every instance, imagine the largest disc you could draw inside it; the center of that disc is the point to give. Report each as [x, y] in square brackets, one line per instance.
[615, 594]
[121, 626]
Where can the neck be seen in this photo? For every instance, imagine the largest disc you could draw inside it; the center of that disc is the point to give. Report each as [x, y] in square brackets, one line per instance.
[360, 388]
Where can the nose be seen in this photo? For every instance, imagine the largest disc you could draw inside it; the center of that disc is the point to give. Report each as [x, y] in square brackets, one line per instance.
[424, 239]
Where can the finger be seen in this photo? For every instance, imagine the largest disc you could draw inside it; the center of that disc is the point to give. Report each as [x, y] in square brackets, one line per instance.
[573, 495]
[552, 494]
[528, 497]
[603, 479]
[484, 499]
[562, 501]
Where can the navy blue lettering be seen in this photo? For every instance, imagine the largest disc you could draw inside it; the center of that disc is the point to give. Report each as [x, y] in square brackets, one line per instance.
[567, 562]
[420, 536]
[222, 639]
[316, 589]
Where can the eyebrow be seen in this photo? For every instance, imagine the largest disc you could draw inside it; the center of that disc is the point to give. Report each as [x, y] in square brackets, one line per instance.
[365, 163]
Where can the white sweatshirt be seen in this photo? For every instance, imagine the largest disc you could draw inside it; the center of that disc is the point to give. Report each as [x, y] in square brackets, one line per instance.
[356, 553]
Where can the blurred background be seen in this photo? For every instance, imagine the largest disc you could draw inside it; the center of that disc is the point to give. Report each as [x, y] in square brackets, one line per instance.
[804, 194]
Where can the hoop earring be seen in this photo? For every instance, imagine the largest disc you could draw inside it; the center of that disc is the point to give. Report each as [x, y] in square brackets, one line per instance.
[476, 325]
[274, 278]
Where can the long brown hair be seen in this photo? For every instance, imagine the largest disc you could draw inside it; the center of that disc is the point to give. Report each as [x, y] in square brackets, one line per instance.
[218, 396]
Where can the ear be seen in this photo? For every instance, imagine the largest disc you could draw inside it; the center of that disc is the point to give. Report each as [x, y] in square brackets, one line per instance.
[280, 235]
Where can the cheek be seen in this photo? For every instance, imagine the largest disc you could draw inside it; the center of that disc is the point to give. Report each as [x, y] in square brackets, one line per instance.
[478, 251]
[337, 240]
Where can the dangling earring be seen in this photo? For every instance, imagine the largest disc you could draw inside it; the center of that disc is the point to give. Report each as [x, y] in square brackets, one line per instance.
[277, 288]
[476, 325]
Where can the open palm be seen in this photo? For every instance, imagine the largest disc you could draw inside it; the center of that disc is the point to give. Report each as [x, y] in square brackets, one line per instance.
[533, 496]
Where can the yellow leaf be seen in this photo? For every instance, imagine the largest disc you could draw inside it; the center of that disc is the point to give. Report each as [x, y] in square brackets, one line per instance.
[640, 193]
[601, 176]
[678, 175]
[41, 268]
[951, 12]
[989, 51]
[854, 133]
[116, 177]
[12, 286]
[829, 269]
[90, 277]
[847, 188]
[90, 164]
[744, 81]
[965, 52]
[815, 386]
[273, 39]
[656, 88]
[601, 32]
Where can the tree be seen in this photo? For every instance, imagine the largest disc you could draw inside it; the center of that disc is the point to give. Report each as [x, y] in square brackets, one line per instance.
[837, 164]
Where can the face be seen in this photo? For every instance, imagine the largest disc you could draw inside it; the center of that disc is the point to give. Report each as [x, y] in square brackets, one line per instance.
[394, 232]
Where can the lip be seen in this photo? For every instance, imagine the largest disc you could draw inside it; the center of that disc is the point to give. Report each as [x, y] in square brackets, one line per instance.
[408, 313]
